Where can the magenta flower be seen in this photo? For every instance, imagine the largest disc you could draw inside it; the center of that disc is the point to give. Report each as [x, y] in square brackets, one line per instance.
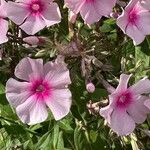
[126, 106]
[135, 21]
[91, 10]
[41, 87]
[33, 15]
[3, 22]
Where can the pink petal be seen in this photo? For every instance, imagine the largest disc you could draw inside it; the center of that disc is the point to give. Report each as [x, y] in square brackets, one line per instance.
[28, 68]
[104, 7]
[123, 83]
[57, 74]
[131, 4]
[135, 34]
[3, 30]
[17, 12]
[33, 24]
[147, 104]
[74, 5]
[32, 111]
[141, 87]
[16, 92]
[137, 110]
[60, 103]
[144, 23]
[122, 21]
[121, 122]
[52, 15]
[145, 4]
[106, 113]
[3, 8]
[89, 13]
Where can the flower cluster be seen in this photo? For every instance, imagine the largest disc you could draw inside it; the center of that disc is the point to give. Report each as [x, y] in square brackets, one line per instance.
[33, 15]
[38, 85]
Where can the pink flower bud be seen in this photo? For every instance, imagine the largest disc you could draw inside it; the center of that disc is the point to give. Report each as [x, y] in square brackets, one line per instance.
[90, 87]
[34, 40]
[72, 17]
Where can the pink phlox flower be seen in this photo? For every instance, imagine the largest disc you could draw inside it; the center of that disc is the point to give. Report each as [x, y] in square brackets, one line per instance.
[91, 10]
[135, 21]
[33, 15]
[3, 22]
[126, 105]
[39, 86]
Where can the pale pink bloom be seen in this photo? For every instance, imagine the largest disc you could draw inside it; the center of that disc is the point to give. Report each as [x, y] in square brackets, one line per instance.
[126, 106]
[34, 40]
[135, 21]
[145, 4]
[33, 15]
[39, 86]
[3, 22]
[91, 10]
[90, 87]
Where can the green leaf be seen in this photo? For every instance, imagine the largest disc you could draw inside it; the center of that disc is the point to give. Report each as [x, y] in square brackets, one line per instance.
[45, 142]
[2, 88]
[142, 62]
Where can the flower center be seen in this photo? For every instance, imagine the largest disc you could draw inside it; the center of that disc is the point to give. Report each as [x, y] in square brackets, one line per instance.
[124, 99]
[133, 16]
[41, 89]
[35, 7]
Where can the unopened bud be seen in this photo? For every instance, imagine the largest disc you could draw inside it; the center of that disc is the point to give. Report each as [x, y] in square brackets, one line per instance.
[34, 40]
[90, 87]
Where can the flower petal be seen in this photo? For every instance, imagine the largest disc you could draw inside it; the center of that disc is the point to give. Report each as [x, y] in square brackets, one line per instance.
[137, 110]
[121, 122]
[32, 111]
[135, 34]
[17, 12]
[106, 113]
[3, 30]
[28, 67]
[123, 83]
[52, 14]
[141, 87]
[60, 103]
[89, 13]
[144, 22]
[16, 92]
[74, 5]
[147, 104]
[104, 7]
[145, 4]
[57, 74]
[33, 24]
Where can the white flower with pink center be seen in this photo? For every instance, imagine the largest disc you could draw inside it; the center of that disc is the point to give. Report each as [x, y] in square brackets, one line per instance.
[91, 10]
[126, 106]
[3, 22]
[39, 87]
[33, 15]
[135, 21]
